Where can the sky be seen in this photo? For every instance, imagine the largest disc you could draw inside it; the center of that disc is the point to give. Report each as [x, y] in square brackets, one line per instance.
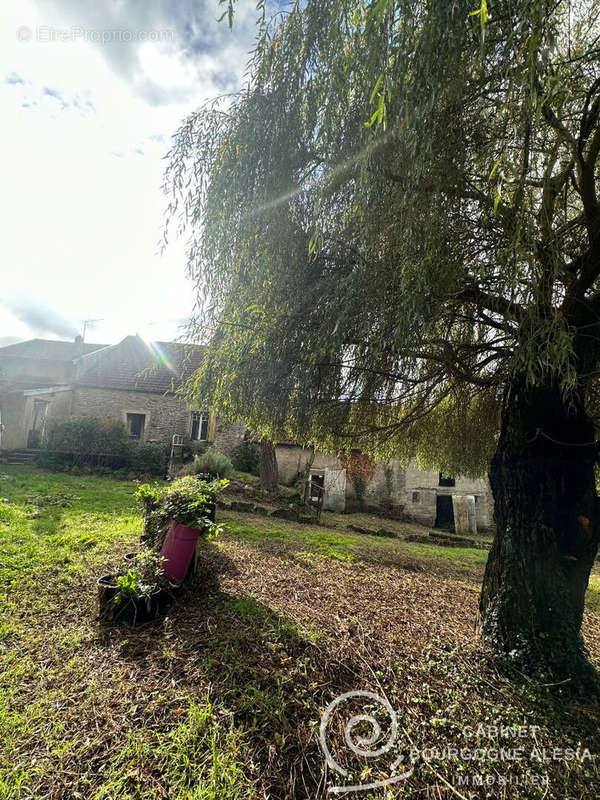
[90, 93]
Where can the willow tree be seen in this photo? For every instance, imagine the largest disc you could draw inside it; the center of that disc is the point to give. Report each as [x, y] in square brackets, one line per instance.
[395, 235]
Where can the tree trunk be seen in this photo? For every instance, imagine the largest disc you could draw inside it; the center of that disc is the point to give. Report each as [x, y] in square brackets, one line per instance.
[267, 466]
[546, 513]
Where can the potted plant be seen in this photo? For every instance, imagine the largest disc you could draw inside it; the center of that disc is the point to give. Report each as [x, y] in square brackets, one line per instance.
[137, 595]
[176, 516]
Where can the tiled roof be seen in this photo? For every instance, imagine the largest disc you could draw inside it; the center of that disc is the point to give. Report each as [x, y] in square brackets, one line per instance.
[49, 350]
[139, 365]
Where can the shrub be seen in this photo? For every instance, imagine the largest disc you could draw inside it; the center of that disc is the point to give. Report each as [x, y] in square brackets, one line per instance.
[91, 443]
[150, 457]
[87, 435]
[186, 469]
[245, 458]
[190, 450]
[212, 462]
[54, 461]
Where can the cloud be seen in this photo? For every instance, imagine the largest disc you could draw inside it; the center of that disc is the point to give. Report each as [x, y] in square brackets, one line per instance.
[180, 38]
[39, 317]
[82, 207]
[14, 78]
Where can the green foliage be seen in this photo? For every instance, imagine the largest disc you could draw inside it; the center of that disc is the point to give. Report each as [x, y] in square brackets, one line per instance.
[130, 586]
[151, 457]
[389, 478]
[145, 576]
[359, 490]
[192, 449]
[212, 462]
[87, 435]
[245, 458]
[395, 220]
[94, 442]
[189, 501]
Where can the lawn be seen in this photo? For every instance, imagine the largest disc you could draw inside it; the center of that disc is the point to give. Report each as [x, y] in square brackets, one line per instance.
[223, 697]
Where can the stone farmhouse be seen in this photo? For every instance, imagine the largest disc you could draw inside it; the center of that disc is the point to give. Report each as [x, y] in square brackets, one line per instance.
[135, 381]
[424, 496]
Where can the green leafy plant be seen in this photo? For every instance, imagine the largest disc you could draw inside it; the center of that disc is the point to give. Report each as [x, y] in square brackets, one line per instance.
[189, 501]
[130, 586]
[145, 577]
[149, 566]
[245, 458]
[212, 462]
[389, 478]
[190, 450]
[150, 457]
[87, 435]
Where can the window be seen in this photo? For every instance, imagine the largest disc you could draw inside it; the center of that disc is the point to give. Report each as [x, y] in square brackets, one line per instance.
[199, 426]
[444, 481]
[135, 425]
[416, 497]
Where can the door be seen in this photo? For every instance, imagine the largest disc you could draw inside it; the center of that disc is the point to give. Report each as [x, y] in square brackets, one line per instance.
[444, 517]
[38, 423]
[334, 487]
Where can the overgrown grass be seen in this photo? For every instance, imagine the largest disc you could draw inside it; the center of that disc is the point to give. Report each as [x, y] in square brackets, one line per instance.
[57, 532]
[344, 545]
[61, 523]
[221, 700]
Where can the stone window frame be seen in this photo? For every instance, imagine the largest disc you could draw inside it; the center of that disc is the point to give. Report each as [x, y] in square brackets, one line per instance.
[146, 421]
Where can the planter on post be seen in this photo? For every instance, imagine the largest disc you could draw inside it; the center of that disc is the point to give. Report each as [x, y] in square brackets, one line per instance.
[180, 545]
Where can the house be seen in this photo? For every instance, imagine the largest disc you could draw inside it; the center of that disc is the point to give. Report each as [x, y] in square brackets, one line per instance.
[133, 381]
[421, 495]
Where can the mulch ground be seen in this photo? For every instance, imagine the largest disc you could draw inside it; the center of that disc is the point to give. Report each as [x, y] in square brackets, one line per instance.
[273, 636]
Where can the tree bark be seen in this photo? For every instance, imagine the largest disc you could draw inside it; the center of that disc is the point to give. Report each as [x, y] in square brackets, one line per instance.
[547, 531]
[267, 466]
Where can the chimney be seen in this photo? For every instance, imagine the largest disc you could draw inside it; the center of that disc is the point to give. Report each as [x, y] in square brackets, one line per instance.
[79, 342]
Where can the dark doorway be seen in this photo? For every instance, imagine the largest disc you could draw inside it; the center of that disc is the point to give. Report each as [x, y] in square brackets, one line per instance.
[445, 512]
[317, 483]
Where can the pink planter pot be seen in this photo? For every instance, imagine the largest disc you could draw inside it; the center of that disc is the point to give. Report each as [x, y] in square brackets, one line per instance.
[178, 550]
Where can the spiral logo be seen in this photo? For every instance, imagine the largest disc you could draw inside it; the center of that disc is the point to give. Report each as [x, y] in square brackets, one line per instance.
[364, 737]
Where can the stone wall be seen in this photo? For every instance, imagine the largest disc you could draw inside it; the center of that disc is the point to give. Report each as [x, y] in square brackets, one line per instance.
[292, 461]
[165, 414]
[413, 490]
[386, 488]
[422, 489]
[228, 435]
